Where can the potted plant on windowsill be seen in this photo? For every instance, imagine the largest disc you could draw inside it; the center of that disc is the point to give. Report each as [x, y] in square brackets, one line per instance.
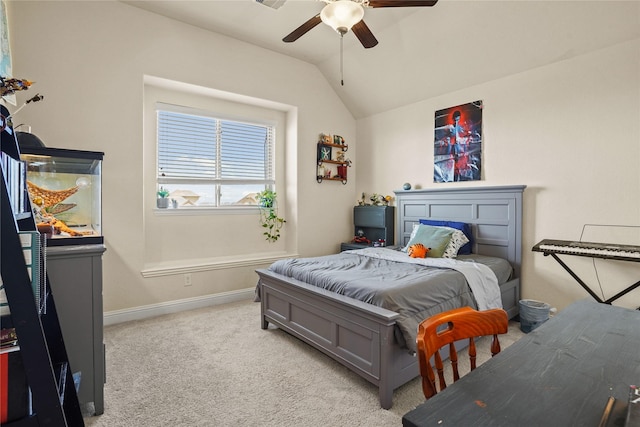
[266, 198]
[163, 198]
[269, 218]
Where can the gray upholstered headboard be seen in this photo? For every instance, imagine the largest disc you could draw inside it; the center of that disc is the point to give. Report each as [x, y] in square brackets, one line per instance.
[495, 215]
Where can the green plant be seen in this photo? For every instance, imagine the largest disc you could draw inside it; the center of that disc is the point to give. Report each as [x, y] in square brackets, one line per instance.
[266, 198]
[269, 218]
[272, 224]
[163, 193]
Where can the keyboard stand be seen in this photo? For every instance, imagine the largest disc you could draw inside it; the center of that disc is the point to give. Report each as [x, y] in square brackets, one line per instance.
[587, 288]
[595, 296]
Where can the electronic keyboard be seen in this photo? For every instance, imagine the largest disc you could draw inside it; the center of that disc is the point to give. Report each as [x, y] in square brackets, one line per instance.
[594, 250]
[589, 249]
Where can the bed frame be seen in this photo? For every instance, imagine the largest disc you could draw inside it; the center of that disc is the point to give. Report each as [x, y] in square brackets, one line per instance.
[360, 336]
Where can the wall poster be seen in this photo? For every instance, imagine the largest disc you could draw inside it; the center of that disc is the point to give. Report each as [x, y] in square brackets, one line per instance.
[457, 145]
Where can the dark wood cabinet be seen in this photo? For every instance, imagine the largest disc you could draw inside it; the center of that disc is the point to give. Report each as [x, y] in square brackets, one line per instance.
[373, 222]
[76, 281]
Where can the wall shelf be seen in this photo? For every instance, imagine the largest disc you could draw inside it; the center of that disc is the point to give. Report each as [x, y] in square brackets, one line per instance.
[335, 162]
[331, 163]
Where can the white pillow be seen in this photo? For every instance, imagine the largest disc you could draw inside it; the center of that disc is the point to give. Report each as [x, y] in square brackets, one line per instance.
[458, 239]
[411, 237]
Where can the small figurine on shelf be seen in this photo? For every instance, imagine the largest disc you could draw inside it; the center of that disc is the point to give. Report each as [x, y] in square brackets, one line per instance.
[361, 239]
[340, 157]
[338, 140]
[325, 138]
[8, 86]
[375, 199]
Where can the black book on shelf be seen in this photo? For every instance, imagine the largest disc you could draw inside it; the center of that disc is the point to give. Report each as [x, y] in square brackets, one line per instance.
[14, 390]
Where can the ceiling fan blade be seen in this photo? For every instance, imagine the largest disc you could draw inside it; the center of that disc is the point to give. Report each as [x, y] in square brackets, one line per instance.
[364, 34]
[402, 3]
[302, 29]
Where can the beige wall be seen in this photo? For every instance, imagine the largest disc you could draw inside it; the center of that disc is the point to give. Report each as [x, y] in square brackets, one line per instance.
[569, 131]
[90, 59]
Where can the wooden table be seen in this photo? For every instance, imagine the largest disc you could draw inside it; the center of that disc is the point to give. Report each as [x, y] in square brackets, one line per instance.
[560, 374]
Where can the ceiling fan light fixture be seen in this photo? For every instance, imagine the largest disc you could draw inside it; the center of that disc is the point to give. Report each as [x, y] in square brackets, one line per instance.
[341, 15]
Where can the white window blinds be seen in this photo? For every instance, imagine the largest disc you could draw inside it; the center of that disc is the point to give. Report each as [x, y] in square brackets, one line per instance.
[223, 161]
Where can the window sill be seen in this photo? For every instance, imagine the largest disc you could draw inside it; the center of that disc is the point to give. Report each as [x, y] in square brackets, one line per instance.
[252, 210]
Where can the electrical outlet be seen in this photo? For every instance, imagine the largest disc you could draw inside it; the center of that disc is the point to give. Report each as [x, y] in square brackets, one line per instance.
[187, 279]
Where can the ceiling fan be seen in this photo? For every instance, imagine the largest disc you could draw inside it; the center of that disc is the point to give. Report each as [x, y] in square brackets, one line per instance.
[345, 15]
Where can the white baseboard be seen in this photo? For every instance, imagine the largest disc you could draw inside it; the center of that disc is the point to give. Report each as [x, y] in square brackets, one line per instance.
[153, 310]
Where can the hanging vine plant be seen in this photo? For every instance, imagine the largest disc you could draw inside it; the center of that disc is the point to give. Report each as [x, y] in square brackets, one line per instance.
[269, 218]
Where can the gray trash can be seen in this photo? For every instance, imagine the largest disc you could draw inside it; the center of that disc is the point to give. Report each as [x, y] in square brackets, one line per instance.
[532, 314]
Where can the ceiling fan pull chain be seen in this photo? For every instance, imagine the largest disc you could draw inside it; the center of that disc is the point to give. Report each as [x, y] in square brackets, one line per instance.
[341, 66]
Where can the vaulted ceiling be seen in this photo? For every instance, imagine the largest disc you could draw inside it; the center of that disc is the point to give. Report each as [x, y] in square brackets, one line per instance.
[423, 51]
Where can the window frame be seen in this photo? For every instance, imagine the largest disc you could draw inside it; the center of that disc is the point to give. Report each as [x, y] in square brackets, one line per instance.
[217, 183]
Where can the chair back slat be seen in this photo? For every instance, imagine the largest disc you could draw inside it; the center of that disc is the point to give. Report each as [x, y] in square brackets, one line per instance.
[445, 329]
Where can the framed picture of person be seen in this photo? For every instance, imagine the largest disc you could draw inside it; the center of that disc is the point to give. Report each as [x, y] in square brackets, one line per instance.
[457, 144]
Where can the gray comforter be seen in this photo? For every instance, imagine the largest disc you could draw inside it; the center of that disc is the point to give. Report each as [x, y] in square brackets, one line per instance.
[412, 290]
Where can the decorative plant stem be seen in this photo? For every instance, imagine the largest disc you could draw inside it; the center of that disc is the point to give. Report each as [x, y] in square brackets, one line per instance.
[269, 218]
[272, 224]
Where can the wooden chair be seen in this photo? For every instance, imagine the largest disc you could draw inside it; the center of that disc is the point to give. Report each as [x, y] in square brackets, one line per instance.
[448, 327]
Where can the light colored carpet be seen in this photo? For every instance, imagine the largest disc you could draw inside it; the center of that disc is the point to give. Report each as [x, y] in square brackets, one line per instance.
[216, 367]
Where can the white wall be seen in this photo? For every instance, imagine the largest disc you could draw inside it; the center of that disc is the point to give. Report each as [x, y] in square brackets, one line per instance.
[569, 131]
[89, 60]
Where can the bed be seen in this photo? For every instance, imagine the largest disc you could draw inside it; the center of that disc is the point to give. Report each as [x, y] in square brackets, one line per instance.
[364, 337]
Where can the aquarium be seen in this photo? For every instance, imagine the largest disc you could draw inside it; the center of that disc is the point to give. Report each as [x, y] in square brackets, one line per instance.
[65, 188]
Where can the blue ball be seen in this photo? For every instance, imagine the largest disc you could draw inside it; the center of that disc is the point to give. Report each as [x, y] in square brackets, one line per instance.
[406, 186]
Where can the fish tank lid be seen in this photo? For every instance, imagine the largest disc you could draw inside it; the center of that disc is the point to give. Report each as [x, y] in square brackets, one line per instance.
[62, 152]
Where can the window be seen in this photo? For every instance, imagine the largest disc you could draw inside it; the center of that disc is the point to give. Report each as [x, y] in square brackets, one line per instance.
[208, 161]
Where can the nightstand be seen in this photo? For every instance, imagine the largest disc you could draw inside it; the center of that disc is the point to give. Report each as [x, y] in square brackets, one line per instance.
[375, 222]
[350, 246]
